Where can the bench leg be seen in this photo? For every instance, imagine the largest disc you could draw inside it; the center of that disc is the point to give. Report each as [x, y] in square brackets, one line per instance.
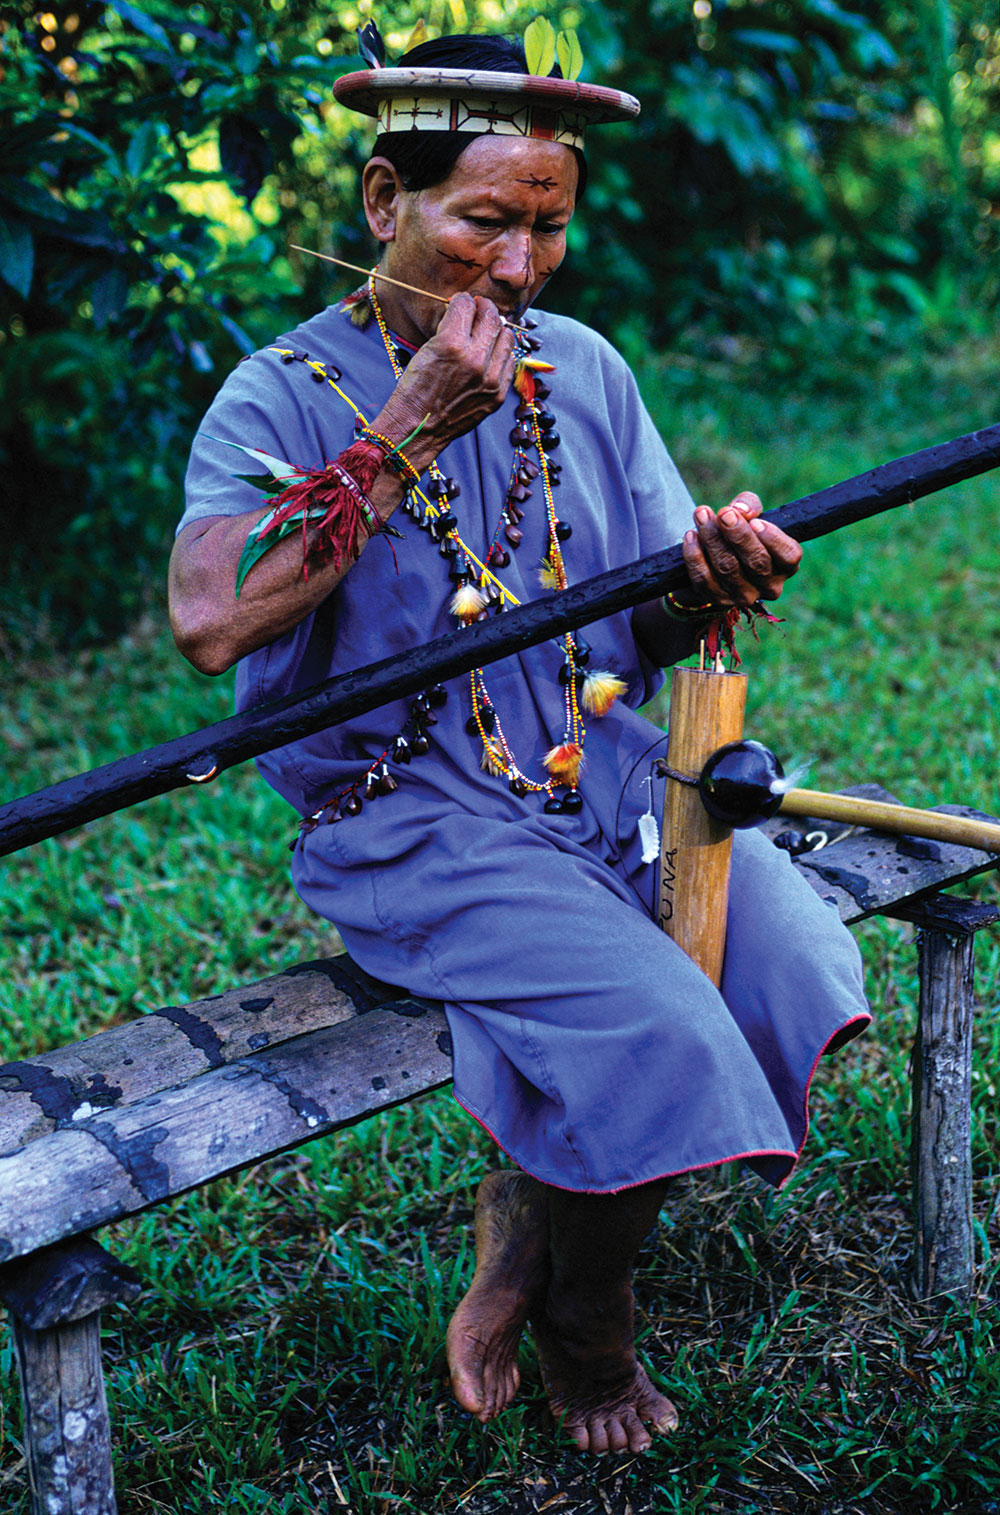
[55, 1298]
[941, 1150]
[67, 1435]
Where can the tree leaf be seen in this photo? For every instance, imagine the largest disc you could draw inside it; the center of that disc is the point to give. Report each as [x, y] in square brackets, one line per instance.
[540, 46]
[108, 295]
[142, 23]
[570, 54]
[244, 153]
[141, 150]
[17, 256]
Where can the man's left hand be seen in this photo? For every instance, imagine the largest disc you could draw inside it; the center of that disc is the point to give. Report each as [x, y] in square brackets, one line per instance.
[734, 558]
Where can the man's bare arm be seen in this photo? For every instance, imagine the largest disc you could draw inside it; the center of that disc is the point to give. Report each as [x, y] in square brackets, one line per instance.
[454, 381]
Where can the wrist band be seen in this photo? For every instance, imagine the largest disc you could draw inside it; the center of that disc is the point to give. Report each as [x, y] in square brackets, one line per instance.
[395, 459]
[371, 520]
[680, 612]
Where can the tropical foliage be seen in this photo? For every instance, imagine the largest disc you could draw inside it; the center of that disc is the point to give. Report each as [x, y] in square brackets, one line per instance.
[805, 174]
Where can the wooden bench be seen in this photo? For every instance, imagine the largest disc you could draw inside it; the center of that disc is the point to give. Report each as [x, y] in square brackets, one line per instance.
[131, 1117]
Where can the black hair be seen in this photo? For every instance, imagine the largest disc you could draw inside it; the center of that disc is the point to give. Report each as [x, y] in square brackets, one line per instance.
[423, 159]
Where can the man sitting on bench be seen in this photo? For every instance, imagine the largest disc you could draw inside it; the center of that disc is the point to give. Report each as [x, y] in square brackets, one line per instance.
[479, 844]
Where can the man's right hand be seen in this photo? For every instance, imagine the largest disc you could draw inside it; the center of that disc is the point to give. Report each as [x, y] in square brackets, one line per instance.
[457, 378]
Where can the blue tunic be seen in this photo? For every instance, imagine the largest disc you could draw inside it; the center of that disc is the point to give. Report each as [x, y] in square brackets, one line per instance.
[585, 1040]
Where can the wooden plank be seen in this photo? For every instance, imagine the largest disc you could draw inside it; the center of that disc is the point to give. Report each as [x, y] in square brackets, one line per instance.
[129, 1062]
[129, 1157]
[868, 872]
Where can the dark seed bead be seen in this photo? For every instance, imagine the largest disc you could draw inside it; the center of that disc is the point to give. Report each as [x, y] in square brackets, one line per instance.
[546, 420]
[288, 357]
[420, 745]
[401, 750]
[371, 788]
[572, 802]
[319, 377]
[471, 726]
[527, 471]
[514, 535]
[581, 650]
[501, 557]
[488, 716]
[542, 390]
[354, 805]
[524, 412]
[555, 481]
[553, 805]
[446, 523]
[452, 488]
[551, 440]
[386, 782]
[553, 466]
[532, 344]
[518, 787]
[529, 323]
[520, 435]
[437, 695]
[458, 573]
[448, 548]
[563, 531]
[519, 492]
[483, 615]
[437, 487]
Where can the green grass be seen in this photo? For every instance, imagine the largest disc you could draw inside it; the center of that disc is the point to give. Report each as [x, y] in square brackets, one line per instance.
[286, 1352]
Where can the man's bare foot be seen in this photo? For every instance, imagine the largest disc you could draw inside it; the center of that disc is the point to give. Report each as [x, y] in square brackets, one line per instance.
[597, 1390]
[512, 1244]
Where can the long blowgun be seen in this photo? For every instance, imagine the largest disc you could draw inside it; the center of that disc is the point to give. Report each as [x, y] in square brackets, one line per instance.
[208, 752]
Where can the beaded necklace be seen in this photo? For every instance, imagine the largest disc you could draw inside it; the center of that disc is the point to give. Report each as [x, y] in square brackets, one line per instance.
[477, 591]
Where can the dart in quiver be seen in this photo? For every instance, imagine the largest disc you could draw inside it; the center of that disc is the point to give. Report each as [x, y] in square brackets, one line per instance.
[718, 782]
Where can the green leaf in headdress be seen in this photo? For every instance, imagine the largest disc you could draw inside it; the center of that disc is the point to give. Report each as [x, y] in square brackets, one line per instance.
[540, 46]
[570, 54]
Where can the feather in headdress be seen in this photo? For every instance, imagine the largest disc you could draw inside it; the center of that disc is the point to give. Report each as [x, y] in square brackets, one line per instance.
[370, 45]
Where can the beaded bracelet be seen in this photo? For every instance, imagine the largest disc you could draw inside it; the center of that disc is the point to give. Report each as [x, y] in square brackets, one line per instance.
[393, 456]
[371, 520]
[677, 611]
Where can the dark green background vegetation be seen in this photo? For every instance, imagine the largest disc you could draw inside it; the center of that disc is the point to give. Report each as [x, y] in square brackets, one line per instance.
[807, 177]
[798, 250]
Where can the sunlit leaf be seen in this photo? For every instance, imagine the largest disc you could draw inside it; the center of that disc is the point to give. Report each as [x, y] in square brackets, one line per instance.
[540, 46]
